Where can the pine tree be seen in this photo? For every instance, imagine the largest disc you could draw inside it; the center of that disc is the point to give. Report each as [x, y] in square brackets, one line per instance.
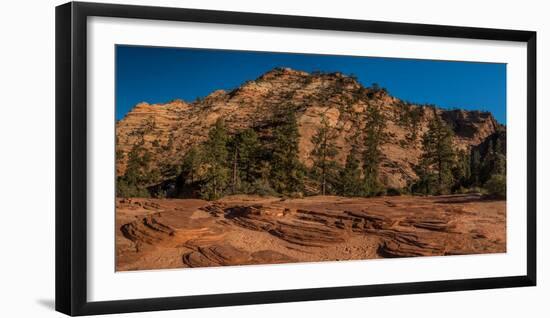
[499, 166]
[495, 169]
[476, 167]
[372, 154]
[487, 164]
[427, 180]
[234, 148]
[350, 183]
[438, 152]
[496, 185]
[245, 154]
[287, 172]
[409, 117]
[135, 165]
[250, 153]
[323, 153]
[216, 157]
[462, 170]
[191, 164]
[136, 177]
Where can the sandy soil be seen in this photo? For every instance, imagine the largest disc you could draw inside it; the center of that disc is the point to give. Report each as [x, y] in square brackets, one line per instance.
[240, 230]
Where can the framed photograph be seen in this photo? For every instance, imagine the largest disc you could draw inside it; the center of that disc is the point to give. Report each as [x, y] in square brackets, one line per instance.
[209, 158]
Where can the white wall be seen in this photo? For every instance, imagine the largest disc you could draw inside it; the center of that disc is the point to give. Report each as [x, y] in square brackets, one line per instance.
[27, 158]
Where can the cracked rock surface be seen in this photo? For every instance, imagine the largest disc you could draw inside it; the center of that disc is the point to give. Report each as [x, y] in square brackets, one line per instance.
[247, 230]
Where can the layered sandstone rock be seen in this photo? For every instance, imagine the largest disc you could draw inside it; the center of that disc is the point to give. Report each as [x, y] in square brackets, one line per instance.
[244, 230]
[169, 130]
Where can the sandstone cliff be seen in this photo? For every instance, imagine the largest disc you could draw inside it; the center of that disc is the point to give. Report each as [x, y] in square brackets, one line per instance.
[169, 130]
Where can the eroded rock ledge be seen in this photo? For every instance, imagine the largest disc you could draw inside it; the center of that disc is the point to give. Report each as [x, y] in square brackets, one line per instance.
[252, 230]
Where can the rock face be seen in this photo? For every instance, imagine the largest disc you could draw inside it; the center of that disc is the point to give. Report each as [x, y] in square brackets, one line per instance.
[244, 230]
[169, 130]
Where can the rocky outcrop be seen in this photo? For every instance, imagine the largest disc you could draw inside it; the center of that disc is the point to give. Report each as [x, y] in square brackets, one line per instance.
[169, 130]
[471, 127]
[243, 230]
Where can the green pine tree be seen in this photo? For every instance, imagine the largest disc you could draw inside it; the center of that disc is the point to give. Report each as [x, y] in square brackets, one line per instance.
[216, 178]
[488, 162]
[323, 153]
[499, 166]
[137, 175]
[287, 172]
[427, 180]
[245, 149]
[350, 183]
[462, 170]
[475, 167]
[372, 154]
[438, 153]
[495, 169]
[190, 167]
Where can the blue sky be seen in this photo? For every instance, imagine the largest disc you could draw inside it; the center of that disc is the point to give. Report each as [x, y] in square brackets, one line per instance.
[158, 75]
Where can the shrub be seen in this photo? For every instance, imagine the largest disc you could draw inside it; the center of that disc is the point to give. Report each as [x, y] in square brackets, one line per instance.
[405, 191]
[126, 190]
[476, 190]
[393, 192]
[461, 190]
[496, 185]
[262, 188]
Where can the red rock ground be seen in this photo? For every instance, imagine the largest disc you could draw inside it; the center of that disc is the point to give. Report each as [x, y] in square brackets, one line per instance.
[240, 230]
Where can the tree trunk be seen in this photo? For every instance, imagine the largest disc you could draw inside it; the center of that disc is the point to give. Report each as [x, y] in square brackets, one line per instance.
[234, 186]
[324, 183]
[324, 169]
[439, 178]
[215, 189]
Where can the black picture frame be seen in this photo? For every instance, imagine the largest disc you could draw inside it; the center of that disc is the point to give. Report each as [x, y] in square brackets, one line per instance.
[71, 157]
